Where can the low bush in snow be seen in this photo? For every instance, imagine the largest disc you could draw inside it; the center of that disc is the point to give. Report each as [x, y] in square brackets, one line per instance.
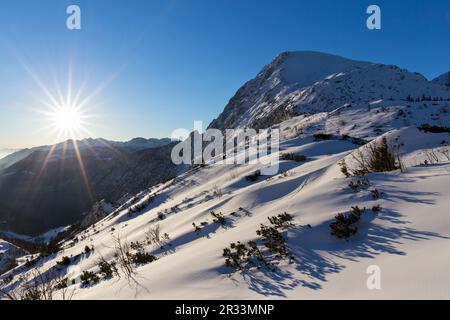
[161, 215]
[359, 184]
[142, 257]
[322, 136]
[253, 177]
[376, 209]
[65, 261]
[107, 269]
[274, 241]
[377, 157]
[344, 168]
[376, 194]
[344, 225]
[293, 157]
[282, 221]
[197, 228]
[240, 256]
[88, 277]
[434, 129]
[219, 218]
[237, 256]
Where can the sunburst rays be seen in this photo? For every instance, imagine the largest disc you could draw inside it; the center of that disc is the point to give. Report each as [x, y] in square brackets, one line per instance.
[67, 115]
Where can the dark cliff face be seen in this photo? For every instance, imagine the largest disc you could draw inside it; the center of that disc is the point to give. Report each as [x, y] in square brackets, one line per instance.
[39, 192]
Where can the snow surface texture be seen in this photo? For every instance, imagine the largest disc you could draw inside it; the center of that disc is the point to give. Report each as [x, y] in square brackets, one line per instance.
[408, 240]
[8, 255]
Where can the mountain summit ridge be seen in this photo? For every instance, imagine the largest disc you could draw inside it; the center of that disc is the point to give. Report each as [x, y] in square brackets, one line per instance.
[301, 82]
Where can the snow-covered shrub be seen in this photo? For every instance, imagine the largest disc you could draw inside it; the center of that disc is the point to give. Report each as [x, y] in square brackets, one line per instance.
[61, 284]
[161, 215]
[196, 227]
[219, 218]
[434, 129]
[293, 157]
[137, 254]
[237, 256]
[142, 257]
[88, 277]
[107, 269]
[322, 136]
[253, 177]
[274, 241]
[344, 225]
[240, 256]
[376, 194]
[137, 246]
[376, 208]
[377, 157]
[282, 221]
[344, 168]
[65, 261]
[358, 185]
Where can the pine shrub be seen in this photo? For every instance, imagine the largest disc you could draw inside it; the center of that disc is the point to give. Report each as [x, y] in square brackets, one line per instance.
[282, 221]
[293, 157]
[107, 269]
[322, 136]
[253, 177]
[344, 225]
[88, 277]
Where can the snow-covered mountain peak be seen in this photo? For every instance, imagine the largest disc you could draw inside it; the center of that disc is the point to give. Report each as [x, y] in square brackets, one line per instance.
[308, 82]
[443, 80]
[288, 72]
[304, 68]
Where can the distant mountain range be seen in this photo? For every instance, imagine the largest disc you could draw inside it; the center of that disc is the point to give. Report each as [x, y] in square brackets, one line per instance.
[47, 187]
[6, 152]
[10, 156]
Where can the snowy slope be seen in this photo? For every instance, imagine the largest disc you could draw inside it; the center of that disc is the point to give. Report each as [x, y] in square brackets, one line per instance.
[412, 230]
[8, 255]
[407, 240]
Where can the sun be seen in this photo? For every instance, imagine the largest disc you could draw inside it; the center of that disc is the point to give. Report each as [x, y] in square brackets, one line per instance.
[67, 119]
[67, 111]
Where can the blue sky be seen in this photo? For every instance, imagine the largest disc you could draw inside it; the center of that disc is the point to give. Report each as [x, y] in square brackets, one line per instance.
[175, 61]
